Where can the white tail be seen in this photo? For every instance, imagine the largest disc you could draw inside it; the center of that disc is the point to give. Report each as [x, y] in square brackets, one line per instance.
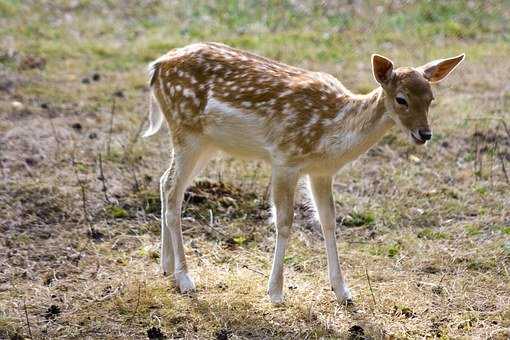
[215, 97]
[155, 114]
[155, 117]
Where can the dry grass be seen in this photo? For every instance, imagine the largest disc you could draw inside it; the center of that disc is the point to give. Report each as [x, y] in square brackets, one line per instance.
[423, 232]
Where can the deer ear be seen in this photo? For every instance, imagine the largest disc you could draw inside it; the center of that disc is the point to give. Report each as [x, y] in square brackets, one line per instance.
[437, 70]
[382, 68]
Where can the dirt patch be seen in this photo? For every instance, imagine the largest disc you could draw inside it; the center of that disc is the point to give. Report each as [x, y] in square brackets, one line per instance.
[32, 206]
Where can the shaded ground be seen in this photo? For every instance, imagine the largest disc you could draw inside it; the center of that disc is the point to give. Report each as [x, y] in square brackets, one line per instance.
[423, 232]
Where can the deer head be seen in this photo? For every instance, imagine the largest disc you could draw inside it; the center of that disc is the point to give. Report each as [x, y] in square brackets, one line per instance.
[408, 92]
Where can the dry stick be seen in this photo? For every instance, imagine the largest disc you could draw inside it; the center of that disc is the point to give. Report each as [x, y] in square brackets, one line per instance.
[500, 154]
[506, 128]
[137, 301]
[54, 131]
[134, 139]
[2, 164]
[101, 177]
[502, 159]
[254, 270]
[132, 170]
[111, 127]
[83, 192]
[441, 280]
[497, 146]
[4, 176]
[477, 155]
[212, 226]
[370, 286]
[26, 317]
[491, 155]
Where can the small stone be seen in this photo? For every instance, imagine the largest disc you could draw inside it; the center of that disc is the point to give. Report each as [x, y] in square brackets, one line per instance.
[119, 94]
[77, 126]
[85, 81]
[414, 159]
[30, 161]
[18, 106]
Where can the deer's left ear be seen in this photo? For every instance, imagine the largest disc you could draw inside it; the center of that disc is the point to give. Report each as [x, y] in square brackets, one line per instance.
[437, 70]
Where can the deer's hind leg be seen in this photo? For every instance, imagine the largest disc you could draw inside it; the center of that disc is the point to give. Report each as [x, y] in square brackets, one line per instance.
[167, 249]
[283, 186]
[189, 158]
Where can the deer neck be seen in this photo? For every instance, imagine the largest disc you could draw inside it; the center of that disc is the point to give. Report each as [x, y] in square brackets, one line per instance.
[360, 123]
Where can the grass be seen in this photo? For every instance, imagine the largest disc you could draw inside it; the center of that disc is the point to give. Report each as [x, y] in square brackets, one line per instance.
[423, 232]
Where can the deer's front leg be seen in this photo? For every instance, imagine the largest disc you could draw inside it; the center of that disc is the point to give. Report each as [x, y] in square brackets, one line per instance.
[323, 198]
[283, 185]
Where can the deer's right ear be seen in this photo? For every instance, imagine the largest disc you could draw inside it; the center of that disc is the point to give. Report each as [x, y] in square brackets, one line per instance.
[382, 68]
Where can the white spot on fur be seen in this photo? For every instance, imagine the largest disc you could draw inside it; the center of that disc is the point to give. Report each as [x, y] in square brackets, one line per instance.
[188, 93]
[286, 93]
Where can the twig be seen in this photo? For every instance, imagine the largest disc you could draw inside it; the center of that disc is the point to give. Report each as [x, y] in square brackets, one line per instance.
[493, 152]
[253, 270]
[101, 177]
[26, 317]
[2, 170]
[211, 226]
[137, 301]
[500, 154]
[370, 286]
[132, 170]
[111, 127]
[54, 131]
[442, 278]
[505, 126]
[478, 161]
[502, 159]
[83, 191]
[211, 218]
[134, 139]
[2, 164]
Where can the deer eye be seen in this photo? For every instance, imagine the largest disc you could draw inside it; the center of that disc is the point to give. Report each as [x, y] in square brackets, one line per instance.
[401, 101]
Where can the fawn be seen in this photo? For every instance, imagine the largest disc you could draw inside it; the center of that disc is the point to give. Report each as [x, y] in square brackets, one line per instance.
[215, 97]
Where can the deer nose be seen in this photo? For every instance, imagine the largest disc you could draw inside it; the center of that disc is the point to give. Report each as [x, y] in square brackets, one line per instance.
[425, 134]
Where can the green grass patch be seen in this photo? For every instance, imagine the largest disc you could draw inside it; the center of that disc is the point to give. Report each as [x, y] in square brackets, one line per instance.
[358, 219]
[472, 230]
[116, 211]
[430, 234]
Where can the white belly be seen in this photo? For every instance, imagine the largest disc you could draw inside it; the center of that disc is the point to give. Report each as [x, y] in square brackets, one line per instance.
[235, 131]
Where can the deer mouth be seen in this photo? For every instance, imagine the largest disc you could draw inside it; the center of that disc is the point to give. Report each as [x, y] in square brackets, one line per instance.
[417, 139]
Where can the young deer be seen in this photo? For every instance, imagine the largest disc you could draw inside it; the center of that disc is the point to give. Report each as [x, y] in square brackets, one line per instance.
[215, 97]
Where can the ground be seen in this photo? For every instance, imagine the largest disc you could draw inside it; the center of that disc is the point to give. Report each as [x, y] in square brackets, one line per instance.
[423, 232]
